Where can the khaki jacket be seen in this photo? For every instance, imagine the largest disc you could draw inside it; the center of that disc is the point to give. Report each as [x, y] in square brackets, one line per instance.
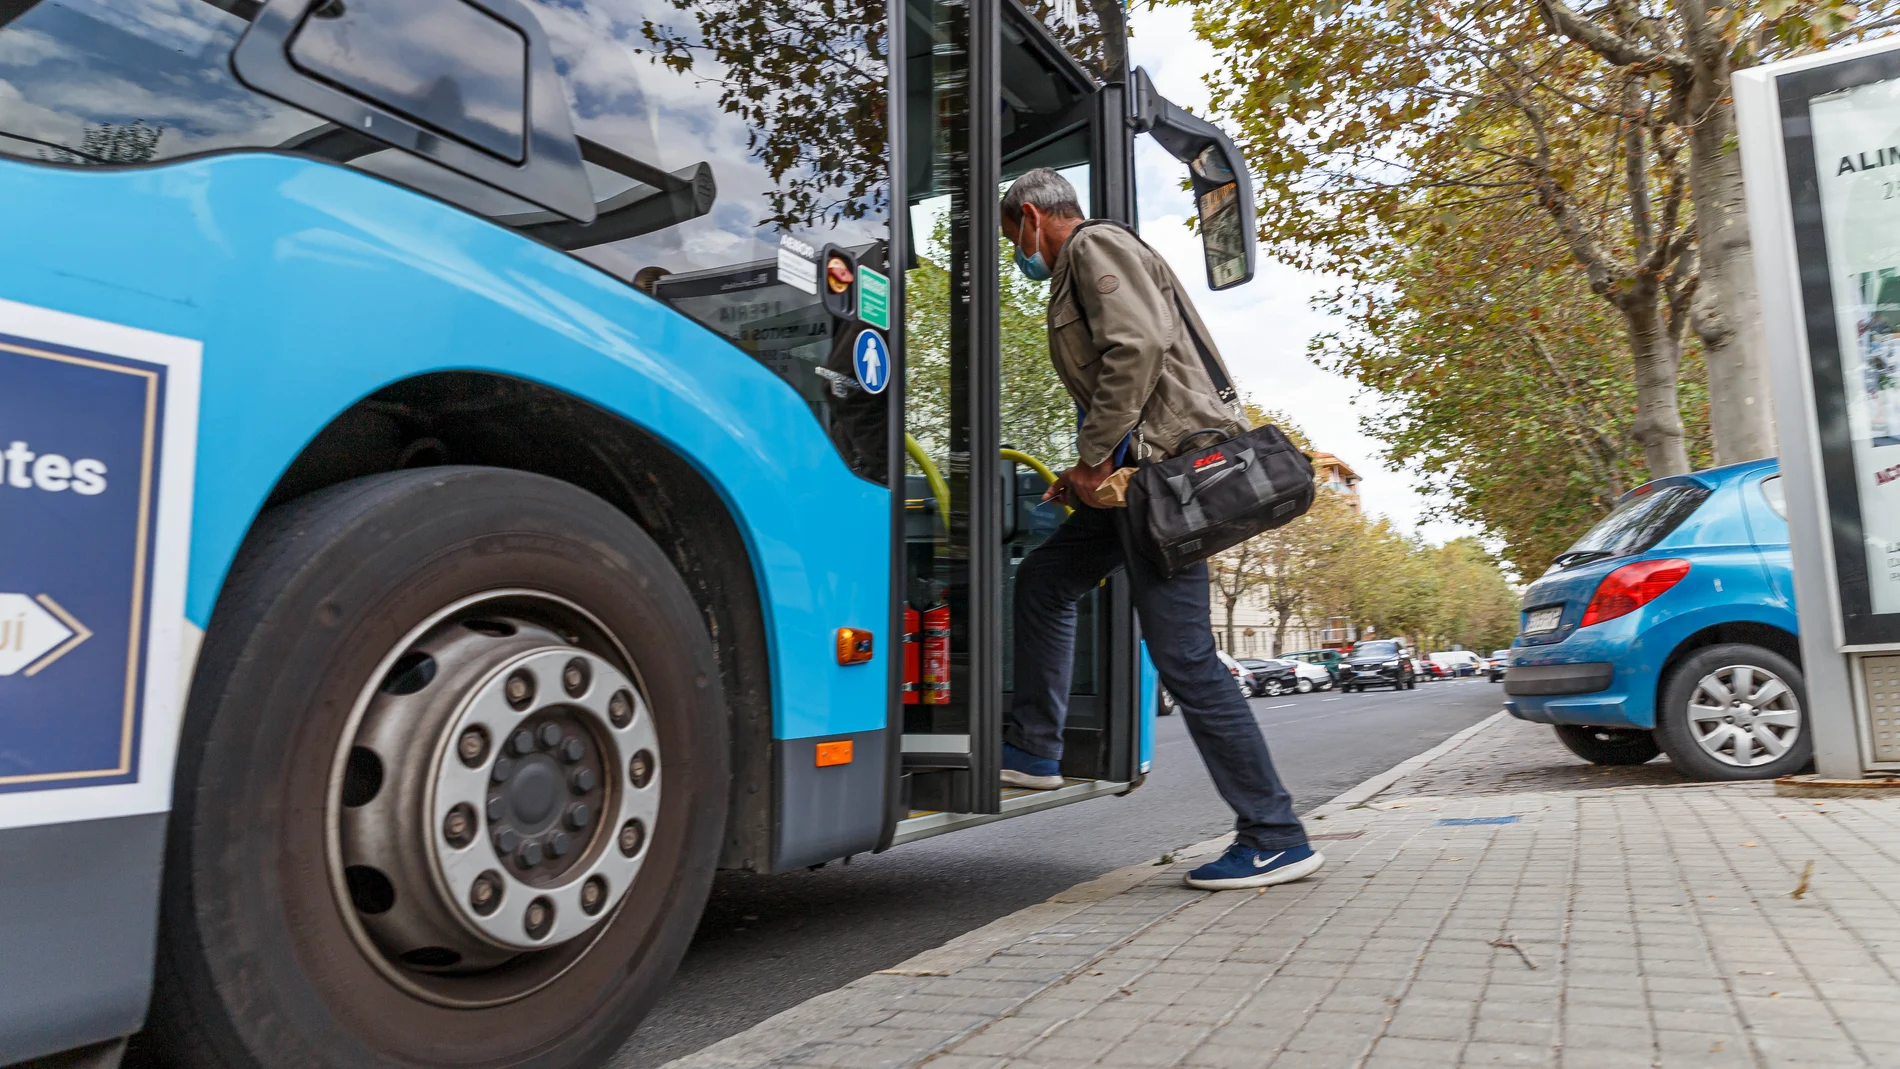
[1122, 350]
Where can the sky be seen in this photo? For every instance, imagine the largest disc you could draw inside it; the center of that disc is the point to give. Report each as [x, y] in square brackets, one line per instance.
[1261, 328]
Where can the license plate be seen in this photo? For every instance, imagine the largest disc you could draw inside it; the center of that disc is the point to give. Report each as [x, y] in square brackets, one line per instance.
[1543, 619]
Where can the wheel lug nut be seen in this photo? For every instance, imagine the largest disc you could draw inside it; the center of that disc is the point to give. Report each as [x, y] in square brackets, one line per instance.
[578, 815]
[504, 767]
[573, 750]
[538, 918]
[620, 708]
[530, 855]
[574, 677]
[522, 743]
[459, 826]
[593, 894]
[640, 769]
[550, 735]
[557, 844]
[519, 690]
[485, 894]
[633, 835]
[506, 840]
[582, 780]
[472, 747]
[496, 807]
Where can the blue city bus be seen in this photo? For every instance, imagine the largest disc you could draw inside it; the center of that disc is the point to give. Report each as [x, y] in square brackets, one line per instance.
[470, 469]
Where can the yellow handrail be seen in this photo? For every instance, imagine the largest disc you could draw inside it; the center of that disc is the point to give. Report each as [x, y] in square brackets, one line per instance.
[938, 488]
[1041, 469]
[941, 490]
[1021, 457]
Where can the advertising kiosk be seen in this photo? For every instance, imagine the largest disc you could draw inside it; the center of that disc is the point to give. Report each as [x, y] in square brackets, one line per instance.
[1820, 140]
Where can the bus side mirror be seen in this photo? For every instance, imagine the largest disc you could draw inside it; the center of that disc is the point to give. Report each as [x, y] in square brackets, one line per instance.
[1223, 192]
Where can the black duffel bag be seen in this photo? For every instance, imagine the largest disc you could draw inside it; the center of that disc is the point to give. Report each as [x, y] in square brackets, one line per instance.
[1194, 504]
[1198, 502]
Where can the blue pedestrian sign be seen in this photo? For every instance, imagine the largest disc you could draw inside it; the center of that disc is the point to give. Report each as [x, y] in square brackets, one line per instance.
[872, 361]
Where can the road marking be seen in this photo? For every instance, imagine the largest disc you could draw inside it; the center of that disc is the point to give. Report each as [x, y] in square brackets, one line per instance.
[1329, 699]
[1288, 705]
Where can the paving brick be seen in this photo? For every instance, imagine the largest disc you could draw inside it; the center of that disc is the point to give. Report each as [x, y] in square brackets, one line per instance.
[1695, 956]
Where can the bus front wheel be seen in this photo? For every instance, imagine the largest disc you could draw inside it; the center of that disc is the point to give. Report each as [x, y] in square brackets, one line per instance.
[451, 787]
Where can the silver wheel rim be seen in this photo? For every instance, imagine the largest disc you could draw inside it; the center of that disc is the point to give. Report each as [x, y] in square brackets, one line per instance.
[1744, 715]
[540, 918]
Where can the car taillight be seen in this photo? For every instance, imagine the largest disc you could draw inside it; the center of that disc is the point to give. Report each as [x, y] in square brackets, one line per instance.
[1631, 587]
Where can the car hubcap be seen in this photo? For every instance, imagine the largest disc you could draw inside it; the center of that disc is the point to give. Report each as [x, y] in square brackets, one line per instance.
[1744, 715]
[493, 804]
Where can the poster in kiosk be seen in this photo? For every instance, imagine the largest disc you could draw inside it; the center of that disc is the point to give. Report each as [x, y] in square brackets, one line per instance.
[1820, 139]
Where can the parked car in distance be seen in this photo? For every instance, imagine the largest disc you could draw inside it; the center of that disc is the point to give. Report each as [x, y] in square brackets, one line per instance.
[1499, 658]
[1671, 626]
[1242, 677]
[1295, 676]
[1328, 659]
[1311, 676]
[1271, 678]
[1378, 662]
[1458, 662]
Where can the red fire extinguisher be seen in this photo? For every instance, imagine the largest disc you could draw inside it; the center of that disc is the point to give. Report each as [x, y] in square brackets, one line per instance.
[913, 670]
[936, 655]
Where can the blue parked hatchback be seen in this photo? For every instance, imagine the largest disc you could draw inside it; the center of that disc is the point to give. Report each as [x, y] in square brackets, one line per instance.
[1671, 626]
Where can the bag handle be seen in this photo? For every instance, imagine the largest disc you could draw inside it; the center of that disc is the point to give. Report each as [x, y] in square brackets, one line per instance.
[1182, 445]
[1223, 386]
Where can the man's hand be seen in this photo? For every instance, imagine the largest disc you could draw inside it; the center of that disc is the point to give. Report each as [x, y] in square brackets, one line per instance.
[1081, 483]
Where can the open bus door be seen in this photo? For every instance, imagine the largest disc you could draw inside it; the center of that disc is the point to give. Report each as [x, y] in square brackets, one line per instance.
[988, 92]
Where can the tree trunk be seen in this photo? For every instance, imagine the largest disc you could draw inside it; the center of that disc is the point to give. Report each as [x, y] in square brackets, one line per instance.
[1726, 314]
[1657, 355]
[1279, 632]
[1230, 624]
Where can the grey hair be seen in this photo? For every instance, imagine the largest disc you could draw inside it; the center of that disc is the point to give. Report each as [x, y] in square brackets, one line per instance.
[1048, 191]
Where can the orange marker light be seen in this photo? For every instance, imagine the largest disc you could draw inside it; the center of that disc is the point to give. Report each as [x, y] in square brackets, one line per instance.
[854, 645]
[834, 753]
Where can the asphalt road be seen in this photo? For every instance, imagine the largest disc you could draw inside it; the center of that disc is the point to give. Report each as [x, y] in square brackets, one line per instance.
[768, 943]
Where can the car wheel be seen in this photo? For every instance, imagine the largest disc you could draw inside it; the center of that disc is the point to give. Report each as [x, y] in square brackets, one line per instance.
[1609, 746]
[1275, 688]
[1304, 686]
[1164, 702]
[451, 787]
[1246, 689]
[1734, 712]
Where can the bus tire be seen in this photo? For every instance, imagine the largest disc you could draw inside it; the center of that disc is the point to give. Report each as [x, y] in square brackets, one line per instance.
[267, 959]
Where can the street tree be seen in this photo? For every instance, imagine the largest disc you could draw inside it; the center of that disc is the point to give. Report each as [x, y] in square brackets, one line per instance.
[1692, 47]
[1499, 378]
[1379, 130]
[1236, 573]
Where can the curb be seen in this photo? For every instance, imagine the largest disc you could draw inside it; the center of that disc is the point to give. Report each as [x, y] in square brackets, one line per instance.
[980, 943]
[1379, 784]
[878, 998]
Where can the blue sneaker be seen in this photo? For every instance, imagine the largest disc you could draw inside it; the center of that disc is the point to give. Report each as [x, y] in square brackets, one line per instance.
[1024, 769]
[1247, 866]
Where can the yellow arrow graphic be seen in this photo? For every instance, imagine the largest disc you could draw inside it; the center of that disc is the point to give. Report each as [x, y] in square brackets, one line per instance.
[80, 634]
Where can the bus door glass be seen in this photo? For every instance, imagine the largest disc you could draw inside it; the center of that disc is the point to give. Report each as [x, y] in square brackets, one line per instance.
[984, 410]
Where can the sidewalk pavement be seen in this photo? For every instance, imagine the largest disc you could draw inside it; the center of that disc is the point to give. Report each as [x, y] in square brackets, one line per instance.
[1498, 904]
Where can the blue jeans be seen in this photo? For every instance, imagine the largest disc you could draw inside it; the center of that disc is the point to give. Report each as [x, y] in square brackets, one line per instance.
[1175, 623]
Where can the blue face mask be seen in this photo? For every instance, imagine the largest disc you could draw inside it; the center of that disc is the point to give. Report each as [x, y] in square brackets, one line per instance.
[1034, 268]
